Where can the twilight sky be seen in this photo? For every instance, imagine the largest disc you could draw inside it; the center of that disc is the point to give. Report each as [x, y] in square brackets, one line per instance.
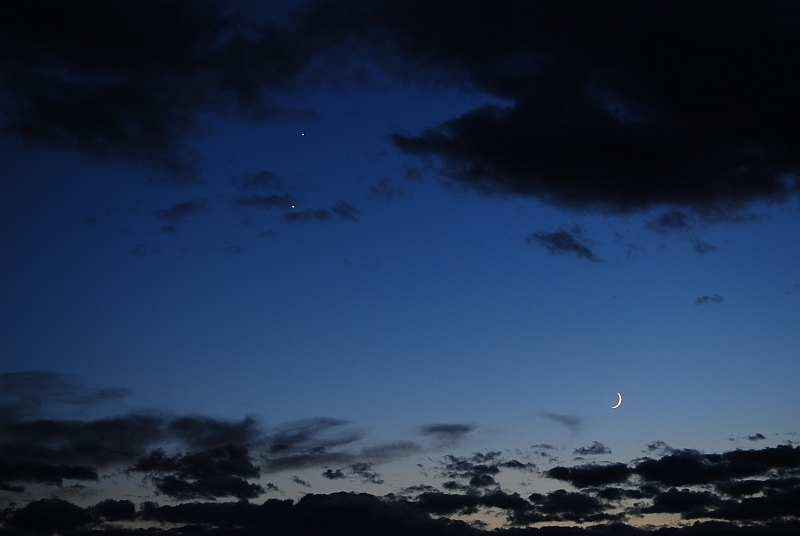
[354, 267]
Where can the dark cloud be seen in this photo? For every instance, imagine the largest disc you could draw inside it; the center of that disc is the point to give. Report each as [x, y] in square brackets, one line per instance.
[12, 470]
[602, 104]
[594, 449]
[739, 490]
[47, 451]
[211, 459]
[660, 447]
[330, 474]
[201, 432]
[592, 475]
[179, 212]
[702, 300]
[617, 107]
[364, 470]
[670, 221]
[446, 433]
[233, 250]
[299, 481]
[113, 510]
[321, 442]
[756, 437]
[562, 505]
[48, 516]
[385, 190]
[216, 472]
[478, 471]
[518, 465]
[266, 234]
[168, 229]
[84, 77]
[334, 514]
[682, 223]
[564, 243]
[689, 467]
[690, 504]
[574, 423]
[24, 394]
[443, 504]
[345, 210]
[385, 452]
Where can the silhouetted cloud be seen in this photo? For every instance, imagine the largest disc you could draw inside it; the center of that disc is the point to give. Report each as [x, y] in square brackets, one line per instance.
[213, 458]
[584, 476]
[564, 243]
[330, 474]
[113, 510]
[596, 448]
[575, 119]
[364, 470]
[562, 505]
[84, 78]
[20, 470]
[588, 124]
[689, 467]
[702, 300]
[659, 447]
[300, 482]
[731, 487]
[321, 442]
[477, 471]
[48, 516]
[446, 432]
[216, 472]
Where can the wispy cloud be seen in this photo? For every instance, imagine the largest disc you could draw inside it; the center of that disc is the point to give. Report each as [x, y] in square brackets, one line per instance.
[573, 422]
[564, 243]
[702, 300]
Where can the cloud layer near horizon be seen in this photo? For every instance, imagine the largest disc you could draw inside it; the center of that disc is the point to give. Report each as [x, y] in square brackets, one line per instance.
[198, 458]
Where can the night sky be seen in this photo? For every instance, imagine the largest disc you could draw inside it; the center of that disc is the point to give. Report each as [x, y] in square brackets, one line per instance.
[383, 267]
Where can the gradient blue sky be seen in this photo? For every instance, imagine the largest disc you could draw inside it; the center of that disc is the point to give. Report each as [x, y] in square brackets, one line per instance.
[421, 300]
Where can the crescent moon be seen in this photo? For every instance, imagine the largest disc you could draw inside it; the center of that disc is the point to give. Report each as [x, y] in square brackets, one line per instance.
[618, 403]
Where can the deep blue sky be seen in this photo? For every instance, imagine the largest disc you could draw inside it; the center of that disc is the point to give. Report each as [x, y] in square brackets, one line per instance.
[394, 232]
